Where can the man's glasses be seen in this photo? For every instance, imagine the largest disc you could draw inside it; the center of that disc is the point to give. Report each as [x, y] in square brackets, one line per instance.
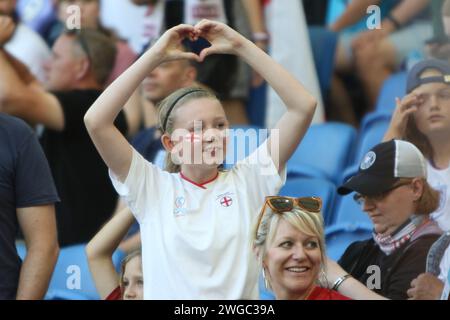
[280, 204]
[360, 199]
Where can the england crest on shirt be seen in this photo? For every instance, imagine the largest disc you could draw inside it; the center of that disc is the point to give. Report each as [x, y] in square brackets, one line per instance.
[226, 199]
[179, 206]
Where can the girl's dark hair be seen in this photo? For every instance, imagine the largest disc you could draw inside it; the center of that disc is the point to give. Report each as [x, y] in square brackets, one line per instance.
[413, 135]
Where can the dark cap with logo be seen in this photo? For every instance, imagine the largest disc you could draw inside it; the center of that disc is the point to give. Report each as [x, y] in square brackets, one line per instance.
[414, 75]
[383, 166]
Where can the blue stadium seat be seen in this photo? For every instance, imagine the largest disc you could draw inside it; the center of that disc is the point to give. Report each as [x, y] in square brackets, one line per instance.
[305, 187]
[338, 237]
[348, 211]
[394, 86]
[324, 152]
[21, 249]
[243, 140]
[371, 134]
[323, 45]
[334, 10]
[72, 263]
[257, 105]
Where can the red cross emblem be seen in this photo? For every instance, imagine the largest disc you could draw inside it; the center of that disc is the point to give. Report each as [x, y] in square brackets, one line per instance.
[226, 201]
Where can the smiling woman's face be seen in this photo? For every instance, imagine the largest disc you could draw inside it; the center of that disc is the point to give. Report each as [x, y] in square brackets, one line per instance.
[292, 262]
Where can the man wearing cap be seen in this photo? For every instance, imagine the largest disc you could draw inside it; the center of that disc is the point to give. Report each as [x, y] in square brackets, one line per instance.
[392, 189]
[423, 118]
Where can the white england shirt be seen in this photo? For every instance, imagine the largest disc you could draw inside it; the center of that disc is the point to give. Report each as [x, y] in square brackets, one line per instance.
[440, 180]
[196, 238]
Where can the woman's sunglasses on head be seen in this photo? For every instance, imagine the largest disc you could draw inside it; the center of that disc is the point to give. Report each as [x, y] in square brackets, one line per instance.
[280, 204]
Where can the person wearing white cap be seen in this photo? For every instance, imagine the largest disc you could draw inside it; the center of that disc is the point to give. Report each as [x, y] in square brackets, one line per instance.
[392, 189]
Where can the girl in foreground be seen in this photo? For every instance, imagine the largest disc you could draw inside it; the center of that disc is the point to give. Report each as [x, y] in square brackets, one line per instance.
[195, 220]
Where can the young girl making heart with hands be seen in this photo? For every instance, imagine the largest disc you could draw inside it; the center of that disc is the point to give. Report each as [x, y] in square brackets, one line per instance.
[196, 219]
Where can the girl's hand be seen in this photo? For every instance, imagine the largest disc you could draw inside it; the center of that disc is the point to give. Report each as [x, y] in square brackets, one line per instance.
[223, 39]
[169, 47]
[403, 110]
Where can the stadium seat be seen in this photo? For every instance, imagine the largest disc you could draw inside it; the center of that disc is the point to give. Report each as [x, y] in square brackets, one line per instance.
[323, 45]
[305, 187]
[21, 249]
[243, 140]
[256, 105]
[371, 134]
[324, 152]
[71, 279]
[394, 86]
[348, 211]
[335, 9]
[338, 237]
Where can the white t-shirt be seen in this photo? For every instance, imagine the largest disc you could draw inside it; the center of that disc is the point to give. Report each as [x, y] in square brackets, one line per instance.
[29, 48]
[196, 238]
[440, 180]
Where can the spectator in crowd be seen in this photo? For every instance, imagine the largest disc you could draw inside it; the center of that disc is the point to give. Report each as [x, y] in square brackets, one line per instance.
[27, 197]
[157, 85]
[80, 66]
[90, 18]
[111, 286]
[226, 75]
[423, 118]
[375, 54]
[392, 188]
[429, 285]
[20, 41]
[182, 213]
[290, 246]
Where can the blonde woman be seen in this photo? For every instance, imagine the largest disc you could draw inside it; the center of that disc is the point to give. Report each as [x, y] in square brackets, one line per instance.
[289, 243]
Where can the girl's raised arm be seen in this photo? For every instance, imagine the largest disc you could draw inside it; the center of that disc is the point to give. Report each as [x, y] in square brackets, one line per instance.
[110, 143]
[101, 248]
[299, 102]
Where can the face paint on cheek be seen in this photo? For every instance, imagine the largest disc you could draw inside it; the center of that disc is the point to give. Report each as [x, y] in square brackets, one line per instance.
[192, 148]
[193, 137]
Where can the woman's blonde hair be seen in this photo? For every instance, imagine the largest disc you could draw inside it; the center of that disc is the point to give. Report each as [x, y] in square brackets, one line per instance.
[308, 223]
[166, 111]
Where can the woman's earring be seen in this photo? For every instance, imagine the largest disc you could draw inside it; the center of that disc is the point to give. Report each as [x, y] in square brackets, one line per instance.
[323, 282]
[266, 282]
